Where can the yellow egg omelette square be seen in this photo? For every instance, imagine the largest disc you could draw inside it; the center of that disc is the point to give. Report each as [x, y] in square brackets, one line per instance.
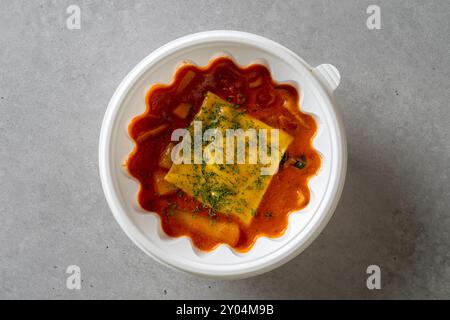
[227, 186]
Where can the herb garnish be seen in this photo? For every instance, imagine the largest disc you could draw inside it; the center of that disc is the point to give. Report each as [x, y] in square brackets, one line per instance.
[300, 163]
[268, 214]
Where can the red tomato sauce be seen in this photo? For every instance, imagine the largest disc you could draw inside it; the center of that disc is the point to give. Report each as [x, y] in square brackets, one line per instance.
[254, 90]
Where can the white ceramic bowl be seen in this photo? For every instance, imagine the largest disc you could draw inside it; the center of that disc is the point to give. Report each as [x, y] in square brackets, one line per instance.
[316, 86]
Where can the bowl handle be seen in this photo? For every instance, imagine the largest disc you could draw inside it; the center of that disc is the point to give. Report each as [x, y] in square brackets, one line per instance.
[329, 76]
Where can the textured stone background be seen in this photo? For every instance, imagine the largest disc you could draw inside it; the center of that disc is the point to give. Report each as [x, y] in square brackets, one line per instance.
[55, 85]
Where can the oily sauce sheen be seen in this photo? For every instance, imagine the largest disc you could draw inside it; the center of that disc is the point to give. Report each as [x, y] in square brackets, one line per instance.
[254, 91]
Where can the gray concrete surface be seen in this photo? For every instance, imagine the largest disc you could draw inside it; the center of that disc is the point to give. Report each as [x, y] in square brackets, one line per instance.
[55, 85]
